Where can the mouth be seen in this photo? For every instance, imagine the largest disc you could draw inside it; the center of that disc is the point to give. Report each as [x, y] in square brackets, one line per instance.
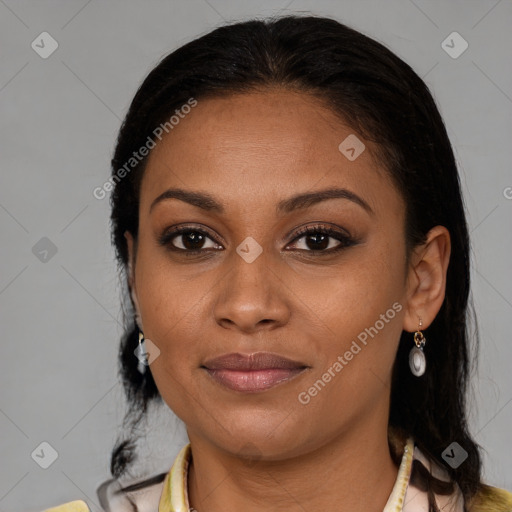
[252, 373]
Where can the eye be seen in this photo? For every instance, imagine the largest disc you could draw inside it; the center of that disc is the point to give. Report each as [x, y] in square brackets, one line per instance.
[188, 240]
[322, 239]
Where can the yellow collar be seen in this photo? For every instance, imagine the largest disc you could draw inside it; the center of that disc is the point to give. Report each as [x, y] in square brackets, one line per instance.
[174, 496]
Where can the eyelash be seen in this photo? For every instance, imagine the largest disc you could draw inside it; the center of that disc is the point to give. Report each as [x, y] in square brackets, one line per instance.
[345, 241]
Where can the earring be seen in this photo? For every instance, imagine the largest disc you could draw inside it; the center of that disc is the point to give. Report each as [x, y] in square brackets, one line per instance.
[417, 359]
[141, 354]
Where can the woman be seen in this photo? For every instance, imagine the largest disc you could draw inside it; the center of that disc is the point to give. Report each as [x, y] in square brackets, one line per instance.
[287, 208]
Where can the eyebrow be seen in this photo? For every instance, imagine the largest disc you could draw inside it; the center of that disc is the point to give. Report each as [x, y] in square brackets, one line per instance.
[300, 201]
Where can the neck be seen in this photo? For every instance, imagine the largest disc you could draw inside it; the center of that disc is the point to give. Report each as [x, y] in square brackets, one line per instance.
[354, 472]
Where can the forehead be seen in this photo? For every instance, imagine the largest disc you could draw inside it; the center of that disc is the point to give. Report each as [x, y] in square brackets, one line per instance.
[260, 147]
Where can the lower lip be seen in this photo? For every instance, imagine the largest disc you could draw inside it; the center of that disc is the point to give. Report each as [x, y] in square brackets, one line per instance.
[252, 381]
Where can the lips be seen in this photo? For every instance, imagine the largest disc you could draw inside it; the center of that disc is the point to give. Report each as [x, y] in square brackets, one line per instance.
[253, 372]
[256, 361]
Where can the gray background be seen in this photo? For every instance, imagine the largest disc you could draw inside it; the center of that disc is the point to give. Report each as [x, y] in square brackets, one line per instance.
[60, 318]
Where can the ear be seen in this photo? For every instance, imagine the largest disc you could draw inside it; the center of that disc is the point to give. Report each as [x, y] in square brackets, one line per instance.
[131, 276]
[426, 279]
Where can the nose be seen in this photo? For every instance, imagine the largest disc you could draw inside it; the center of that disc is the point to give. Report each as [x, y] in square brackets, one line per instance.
[251, 297]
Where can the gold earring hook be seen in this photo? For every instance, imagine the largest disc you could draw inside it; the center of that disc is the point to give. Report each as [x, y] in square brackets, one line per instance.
[419, 339]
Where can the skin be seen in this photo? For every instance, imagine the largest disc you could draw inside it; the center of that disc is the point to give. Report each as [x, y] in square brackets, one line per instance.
[266, 450]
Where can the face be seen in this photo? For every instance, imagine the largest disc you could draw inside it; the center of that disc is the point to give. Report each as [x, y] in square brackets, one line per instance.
[246, 278]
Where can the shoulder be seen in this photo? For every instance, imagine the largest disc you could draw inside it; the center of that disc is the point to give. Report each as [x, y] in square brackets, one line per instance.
[491, 499]
[487, 498]
[114, 497]
[71, 506]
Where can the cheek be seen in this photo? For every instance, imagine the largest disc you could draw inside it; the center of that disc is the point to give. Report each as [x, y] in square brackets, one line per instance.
[370, 282]
[362, 304]
[168, 301]
[169, 309]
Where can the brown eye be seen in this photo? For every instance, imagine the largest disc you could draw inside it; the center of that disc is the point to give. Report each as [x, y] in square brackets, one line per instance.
[191, 240]
[188, 240]
[322, 239]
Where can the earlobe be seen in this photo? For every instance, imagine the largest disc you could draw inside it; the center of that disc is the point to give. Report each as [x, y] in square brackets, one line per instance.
[427, 279]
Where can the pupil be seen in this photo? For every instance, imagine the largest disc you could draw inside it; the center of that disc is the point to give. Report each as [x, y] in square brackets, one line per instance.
[321, 241]
[195, 238]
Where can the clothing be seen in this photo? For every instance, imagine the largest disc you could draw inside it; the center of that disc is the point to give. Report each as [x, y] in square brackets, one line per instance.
[170, 495]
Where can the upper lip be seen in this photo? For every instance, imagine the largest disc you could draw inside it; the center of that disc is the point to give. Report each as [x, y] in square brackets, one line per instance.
[255, 361]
